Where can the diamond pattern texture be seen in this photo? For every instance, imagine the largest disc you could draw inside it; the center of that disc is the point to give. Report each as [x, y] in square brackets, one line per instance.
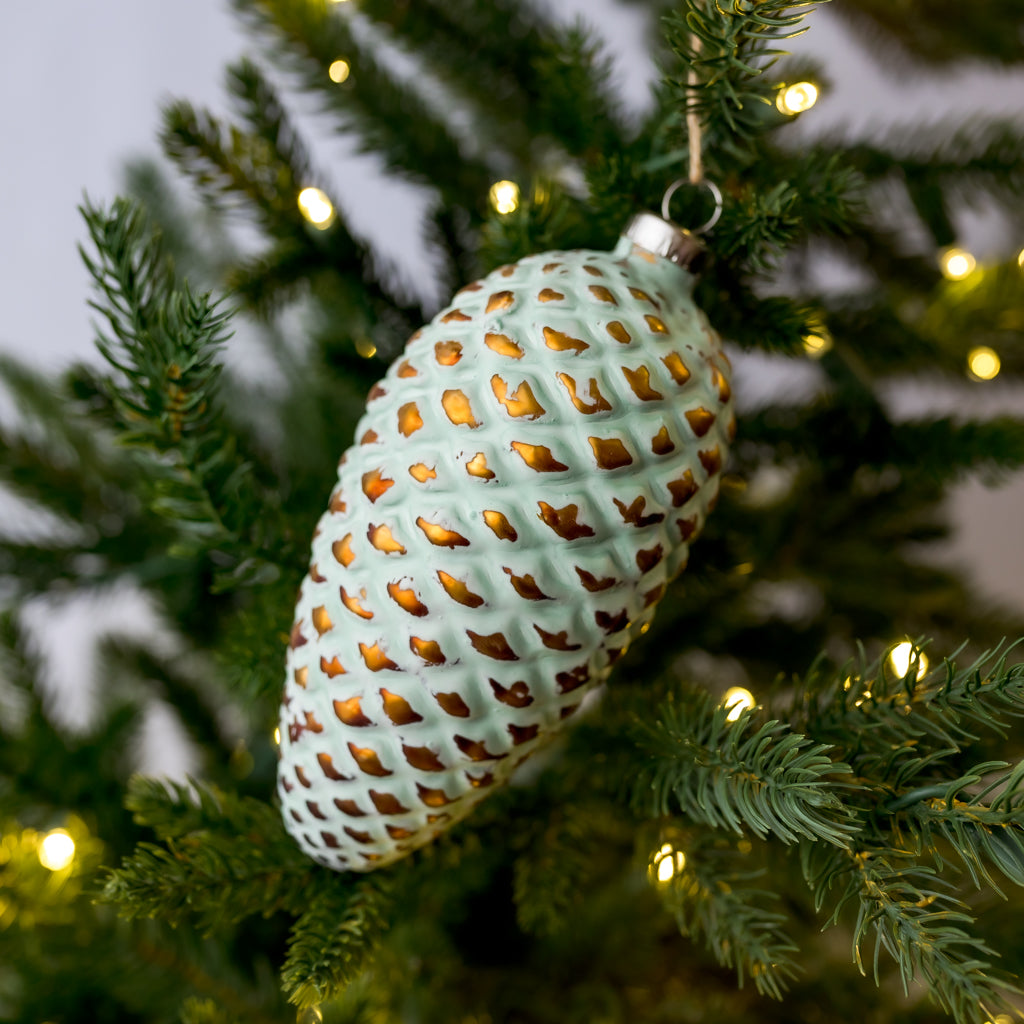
[527, 478]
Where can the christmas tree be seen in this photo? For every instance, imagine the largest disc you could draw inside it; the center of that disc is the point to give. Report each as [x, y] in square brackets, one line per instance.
[799, 795]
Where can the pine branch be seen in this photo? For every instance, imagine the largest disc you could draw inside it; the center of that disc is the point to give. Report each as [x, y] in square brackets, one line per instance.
[560, 859]
[730, 45]
[713, 900]
[263, 169]
[231, 164]
[906, 912]
[979, 817]
[738, 775]
[264, 113]
[163, 343]
[333, 941]
[550, 79]
[885, 719]
[225, 858]
[391, 118]
[773, 324]
[934, 32]
[205, 1011]
[939, 451]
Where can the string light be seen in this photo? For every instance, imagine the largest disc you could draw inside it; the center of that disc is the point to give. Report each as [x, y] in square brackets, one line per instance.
[983, 363]
[795, 99]
[956, 263]
[339, 71]
[1020, 259]
[902, 655]
[316, 207]
[737, 700]
[817, 343]
[366, 348]
[57, 850]
[309, 1015]
[504, 196]
[277, 737]
[666, 864]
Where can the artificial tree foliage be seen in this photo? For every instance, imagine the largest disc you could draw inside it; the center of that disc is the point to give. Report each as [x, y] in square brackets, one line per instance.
[848, 847]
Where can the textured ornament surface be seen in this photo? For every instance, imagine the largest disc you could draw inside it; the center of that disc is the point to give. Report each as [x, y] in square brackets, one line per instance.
[527, 479]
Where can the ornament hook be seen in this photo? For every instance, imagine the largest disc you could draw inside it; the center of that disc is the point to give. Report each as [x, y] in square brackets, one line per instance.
[716, 195]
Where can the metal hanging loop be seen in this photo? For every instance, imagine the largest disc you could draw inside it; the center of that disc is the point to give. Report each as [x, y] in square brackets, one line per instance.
[716, 195]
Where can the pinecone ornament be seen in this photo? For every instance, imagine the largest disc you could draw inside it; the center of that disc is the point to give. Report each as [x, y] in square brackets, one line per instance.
[528, 477]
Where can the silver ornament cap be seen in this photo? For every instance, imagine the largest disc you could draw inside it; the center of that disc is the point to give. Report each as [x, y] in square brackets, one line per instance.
[663, 238]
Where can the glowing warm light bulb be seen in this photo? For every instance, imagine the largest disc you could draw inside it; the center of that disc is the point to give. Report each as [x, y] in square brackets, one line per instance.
[817, 343]
[57, 850]
[901, 656]
[277, 737]
[366, 348]
[737, 700]
[666, 864]
[504, 196]
[316, 207]
[309, 1015]
[983, 363]
[1020, 259]
[796, 98]
[339, 71]
[956, 263]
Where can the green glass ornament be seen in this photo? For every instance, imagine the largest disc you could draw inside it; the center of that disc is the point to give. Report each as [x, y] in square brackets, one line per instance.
[528, 477]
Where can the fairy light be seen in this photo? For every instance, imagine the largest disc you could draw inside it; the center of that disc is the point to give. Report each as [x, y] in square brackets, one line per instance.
[902, 655]
[339, 71]
[666, 863]
[1020, 259]
[309, 1015]
[817, 343]
[57, 850]
[983, 363]
[316, 207]
[796, 98]
[366, 348]
[504, 196]
[277, 737]
[955, 263]
[737, 700]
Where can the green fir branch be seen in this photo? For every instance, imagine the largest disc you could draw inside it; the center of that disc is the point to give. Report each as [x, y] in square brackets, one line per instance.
[225, 858]
[559, 861]
[263, 170]
[977, 818]
[162, 342]
[263, 112]
[391, 118]
[551, 79]
[882, 720]
[205, 1011]
[233, 168]
[905, 910]
[333, 940]
[730, 45]
[713, 900]
[740, 774]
